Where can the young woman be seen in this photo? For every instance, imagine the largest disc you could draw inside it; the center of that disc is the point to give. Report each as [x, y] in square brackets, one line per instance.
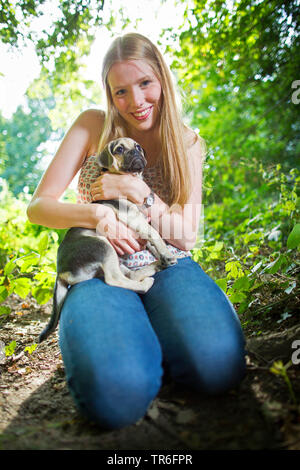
[116, 344]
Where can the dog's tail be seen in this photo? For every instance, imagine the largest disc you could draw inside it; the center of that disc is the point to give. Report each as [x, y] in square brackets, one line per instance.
[60, 292]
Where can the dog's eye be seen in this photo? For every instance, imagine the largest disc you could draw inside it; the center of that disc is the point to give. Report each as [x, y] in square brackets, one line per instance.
[119, 149]
[138, 147]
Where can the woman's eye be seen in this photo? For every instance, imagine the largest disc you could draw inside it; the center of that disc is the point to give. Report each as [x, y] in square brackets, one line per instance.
[120, 92]
[146, 82]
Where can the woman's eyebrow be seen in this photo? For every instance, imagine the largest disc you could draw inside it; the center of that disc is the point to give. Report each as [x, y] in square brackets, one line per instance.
[146, 77]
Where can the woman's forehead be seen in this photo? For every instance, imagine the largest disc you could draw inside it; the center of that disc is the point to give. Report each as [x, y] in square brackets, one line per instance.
[124, 72]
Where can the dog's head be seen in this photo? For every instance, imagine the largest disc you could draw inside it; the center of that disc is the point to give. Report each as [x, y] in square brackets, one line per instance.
[122, 155]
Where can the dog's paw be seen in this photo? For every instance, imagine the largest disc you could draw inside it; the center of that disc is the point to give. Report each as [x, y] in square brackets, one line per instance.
[167, 260]
[144, 272]
[145, 285]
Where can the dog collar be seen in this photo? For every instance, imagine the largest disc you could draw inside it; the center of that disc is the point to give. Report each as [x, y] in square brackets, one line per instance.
[149, 200]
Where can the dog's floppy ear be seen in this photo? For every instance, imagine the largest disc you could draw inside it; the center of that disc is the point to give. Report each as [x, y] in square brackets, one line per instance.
[105, 158]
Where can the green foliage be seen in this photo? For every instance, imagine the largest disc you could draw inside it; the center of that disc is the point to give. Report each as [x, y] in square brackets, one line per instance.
[70, 94]
[278, 368]
[30, 349]
[238, 64]
[252, 235]
[27, 254]
[61, 46]
[22, 138]
[10, 348]
[65, 39]
[293, 240]
[13, 15]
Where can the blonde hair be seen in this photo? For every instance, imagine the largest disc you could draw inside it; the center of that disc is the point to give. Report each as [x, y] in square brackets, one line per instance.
[174, 164]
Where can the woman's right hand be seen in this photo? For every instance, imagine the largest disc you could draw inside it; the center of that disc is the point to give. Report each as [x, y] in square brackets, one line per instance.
[123, 239]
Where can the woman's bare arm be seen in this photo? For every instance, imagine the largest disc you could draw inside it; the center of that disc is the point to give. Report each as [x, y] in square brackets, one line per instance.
[179, 226]
[45, 207]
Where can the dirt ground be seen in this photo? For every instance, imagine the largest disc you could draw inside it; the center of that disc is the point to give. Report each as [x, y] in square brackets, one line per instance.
[37, 412]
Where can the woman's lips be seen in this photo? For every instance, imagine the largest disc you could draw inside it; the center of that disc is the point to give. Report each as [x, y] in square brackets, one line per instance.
[142, 115]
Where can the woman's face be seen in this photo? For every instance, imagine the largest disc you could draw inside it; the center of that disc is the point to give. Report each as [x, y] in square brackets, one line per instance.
[136, 93]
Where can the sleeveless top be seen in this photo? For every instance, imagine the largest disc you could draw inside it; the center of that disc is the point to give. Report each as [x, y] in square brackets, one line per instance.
[153, 177]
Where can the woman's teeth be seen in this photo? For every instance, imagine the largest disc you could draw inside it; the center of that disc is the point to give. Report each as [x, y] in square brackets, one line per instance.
[142, 114]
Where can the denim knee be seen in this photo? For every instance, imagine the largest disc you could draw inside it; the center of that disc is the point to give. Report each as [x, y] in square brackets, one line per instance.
[216, 371]
[112, 357]
[114, 398]
[199, 331]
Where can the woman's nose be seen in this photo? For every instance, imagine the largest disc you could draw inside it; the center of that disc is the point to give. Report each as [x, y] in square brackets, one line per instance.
[137, 98]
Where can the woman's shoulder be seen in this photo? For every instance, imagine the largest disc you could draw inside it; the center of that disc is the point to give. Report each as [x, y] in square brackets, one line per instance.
[194, 142]
[94, 117]
[91, 122]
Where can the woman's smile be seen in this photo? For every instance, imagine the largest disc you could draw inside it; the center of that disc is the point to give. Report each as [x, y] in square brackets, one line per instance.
[143, 115]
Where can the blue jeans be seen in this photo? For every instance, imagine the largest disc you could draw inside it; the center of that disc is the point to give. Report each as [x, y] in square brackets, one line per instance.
[114, 342]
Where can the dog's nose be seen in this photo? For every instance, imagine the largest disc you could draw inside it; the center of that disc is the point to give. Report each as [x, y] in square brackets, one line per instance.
[134, 161]
[136, 165]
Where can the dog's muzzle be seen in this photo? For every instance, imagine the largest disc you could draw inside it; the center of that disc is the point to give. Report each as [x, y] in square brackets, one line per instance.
[134, 161]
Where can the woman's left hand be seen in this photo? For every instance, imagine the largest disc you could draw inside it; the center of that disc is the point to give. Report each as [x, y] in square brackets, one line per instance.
[110, 186]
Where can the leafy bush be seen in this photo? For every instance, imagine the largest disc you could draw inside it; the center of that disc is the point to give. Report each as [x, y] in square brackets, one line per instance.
[27, 253]
[252, 233]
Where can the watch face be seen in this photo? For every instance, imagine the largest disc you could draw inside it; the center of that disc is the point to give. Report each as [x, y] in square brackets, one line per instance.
[150, 200]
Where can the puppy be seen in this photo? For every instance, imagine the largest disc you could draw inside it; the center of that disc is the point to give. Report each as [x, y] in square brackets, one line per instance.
[84, 254]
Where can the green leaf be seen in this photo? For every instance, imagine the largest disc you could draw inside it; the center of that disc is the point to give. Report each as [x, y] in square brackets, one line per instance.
[4, 310]
[43, 244]
[237, 297]
[42, 295]
[218, 246]
[9, 267]
[3, 293]
[242, 284]
[10, 348]
[22, 286]
[222, 283]
[243, 306]
[234, 269]
[274, 267]
[294, 237]
[31, 348]
[27, 264]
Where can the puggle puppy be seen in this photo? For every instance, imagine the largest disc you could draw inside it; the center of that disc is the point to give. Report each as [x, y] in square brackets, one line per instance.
[85, 254]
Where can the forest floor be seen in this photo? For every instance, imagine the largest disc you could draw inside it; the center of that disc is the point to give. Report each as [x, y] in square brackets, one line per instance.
[37, 412]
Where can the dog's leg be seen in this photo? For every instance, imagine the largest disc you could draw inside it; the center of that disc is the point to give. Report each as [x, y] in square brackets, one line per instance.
[141, 273]
[130, 215]
[114, 276]
[155, 244]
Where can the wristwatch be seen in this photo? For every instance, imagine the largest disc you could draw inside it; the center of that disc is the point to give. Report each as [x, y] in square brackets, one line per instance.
[149, 200]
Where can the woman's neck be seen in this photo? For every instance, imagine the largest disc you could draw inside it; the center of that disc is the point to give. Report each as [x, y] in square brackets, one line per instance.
[150, 142]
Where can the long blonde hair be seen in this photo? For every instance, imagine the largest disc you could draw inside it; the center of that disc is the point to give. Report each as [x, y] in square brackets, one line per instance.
[175, 167]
